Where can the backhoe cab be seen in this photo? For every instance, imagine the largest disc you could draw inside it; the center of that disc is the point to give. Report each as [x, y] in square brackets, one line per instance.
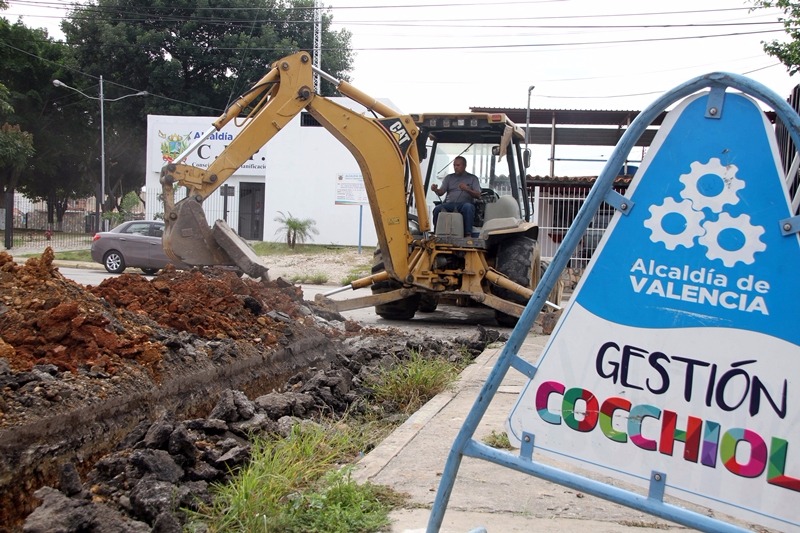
[501, 266]
[414, 267]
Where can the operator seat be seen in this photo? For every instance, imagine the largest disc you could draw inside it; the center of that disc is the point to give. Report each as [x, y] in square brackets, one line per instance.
[502, 214]
[503, 207]
[450, 225]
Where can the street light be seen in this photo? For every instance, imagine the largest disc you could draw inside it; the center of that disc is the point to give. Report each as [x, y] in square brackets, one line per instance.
[528, 117]
[101, 99]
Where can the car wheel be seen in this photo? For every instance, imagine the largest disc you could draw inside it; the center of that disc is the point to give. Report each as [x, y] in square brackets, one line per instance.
[150, 271]
[114, 262]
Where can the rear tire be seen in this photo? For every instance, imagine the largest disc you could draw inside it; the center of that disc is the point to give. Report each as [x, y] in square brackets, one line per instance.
[114, 262]
[150, 271]
[518, 258]
[428, 303]
[404, 309]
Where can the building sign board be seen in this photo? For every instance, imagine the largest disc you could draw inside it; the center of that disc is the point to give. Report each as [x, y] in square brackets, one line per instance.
[678, 352]
[176, 134]
[350, 189]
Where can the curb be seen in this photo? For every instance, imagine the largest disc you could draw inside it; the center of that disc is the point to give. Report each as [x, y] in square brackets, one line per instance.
[64, 264]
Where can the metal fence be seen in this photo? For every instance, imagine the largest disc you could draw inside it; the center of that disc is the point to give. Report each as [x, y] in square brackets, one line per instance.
[34, 228]
[555, 207]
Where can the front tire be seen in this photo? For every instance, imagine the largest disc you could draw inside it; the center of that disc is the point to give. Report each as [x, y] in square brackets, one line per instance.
[150, 271]
[404, 309]
[114, 262]
[519, 259]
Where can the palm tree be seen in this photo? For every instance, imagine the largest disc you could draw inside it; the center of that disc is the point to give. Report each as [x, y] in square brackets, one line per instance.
[295, 228]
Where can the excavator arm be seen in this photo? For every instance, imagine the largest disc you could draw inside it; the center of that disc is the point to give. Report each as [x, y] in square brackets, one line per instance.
[384, 147]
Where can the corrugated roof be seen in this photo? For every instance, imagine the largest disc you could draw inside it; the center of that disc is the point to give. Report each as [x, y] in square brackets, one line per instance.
[621, 181]
[575, 127]
[586, 117]
[579, 127]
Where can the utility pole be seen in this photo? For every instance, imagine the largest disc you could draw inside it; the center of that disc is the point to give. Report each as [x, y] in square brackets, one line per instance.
[317, 57]
[528, 117]
[102, 100]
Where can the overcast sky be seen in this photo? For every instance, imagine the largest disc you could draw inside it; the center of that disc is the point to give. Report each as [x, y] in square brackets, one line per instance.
[441, 55]
[577, 53]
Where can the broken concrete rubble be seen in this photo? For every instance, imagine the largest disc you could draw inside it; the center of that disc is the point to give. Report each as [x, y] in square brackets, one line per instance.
[119, 394]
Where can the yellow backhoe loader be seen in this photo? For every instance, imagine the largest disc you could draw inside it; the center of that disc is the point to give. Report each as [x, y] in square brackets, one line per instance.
[415, 268]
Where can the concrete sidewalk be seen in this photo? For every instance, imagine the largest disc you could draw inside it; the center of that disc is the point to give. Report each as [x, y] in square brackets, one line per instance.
[486, 495]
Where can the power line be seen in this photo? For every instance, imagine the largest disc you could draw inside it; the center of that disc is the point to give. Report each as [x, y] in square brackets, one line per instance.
[540, 45]
[482, 24]
[167, 13]
[368, 7]
[90, 76]
[528, 45]
[149, 11]
[631, 95]
[249, 25]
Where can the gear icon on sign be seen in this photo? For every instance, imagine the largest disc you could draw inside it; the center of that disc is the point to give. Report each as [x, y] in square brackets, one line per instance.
[718, 188]
[746, 239]
[691, 226]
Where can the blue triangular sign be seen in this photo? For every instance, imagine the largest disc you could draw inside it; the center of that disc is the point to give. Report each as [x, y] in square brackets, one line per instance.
[678, 352]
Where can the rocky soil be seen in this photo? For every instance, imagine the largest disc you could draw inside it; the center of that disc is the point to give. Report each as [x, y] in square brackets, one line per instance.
[336, 265]
[120, 403]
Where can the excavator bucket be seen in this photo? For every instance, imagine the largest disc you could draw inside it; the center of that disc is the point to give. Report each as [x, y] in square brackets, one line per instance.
[188, 239]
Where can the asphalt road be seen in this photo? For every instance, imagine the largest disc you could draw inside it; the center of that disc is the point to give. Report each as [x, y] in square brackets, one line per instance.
[447, 321]
[90, 276]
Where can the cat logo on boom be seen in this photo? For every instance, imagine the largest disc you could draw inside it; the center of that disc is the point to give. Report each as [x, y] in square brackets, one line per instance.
[400, 133]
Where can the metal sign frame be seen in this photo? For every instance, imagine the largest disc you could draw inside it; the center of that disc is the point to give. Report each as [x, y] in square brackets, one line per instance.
[466, 446]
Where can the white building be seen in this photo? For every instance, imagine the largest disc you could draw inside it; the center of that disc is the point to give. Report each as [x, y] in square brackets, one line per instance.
[303, 171]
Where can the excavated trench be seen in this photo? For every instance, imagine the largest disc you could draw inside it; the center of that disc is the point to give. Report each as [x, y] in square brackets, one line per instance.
[34, 452]
[180, 368]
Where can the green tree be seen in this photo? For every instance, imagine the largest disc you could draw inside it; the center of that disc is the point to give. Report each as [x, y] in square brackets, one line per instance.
[5, 107]
[787, 52]
[29, 61]
[128, 205]
[295, 229]
[16, 148]
[196, 56]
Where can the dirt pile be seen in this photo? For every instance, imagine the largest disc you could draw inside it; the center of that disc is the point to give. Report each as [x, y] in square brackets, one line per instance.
[117, 332]
[48, 320]
[87, 371]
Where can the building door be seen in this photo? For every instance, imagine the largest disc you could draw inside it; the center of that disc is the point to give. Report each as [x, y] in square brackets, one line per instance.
[251, 211]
